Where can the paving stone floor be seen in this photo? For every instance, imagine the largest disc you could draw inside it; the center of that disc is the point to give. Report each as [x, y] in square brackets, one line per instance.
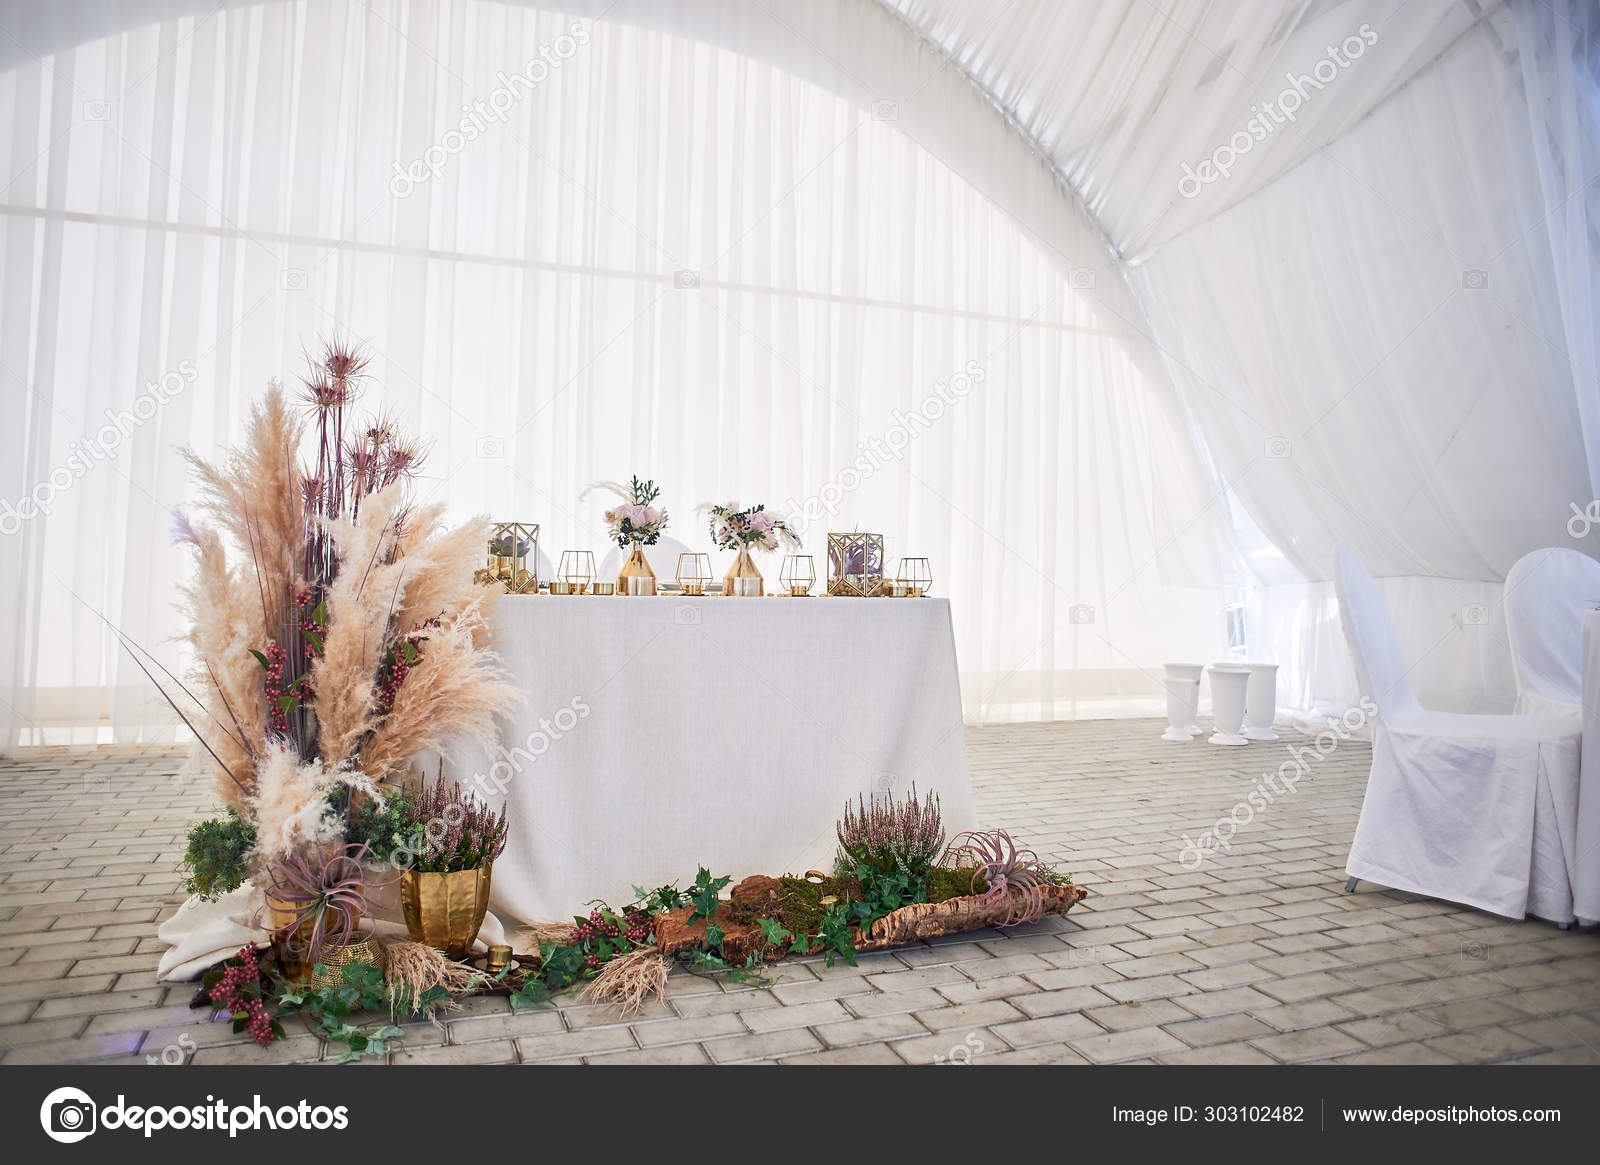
[1250, 955]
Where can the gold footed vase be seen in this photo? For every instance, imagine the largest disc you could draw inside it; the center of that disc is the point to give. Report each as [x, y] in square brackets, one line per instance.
[636, 577]
[743, 578]
[445, 910]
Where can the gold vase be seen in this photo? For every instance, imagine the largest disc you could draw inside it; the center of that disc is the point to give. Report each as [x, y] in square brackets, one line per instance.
[743, 568]
[445, 910]
[636, 577]
[335, 956]
[289, 941]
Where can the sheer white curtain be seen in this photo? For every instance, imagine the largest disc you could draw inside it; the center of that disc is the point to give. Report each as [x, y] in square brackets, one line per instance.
[738, 249]
[1375, 349]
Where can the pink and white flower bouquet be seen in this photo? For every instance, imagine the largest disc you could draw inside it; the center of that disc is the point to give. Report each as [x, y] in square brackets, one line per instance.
[636, 521]
[755, 528]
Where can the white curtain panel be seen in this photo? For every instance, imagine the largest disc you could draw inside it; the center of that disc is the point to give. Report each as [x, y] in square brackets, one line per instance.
[785, 254]
[1375, 350]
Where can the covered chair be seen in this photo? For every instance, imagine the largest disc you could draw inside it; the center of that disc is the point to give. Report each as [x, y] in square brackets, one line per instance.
[1544, 597]
[1480, 810]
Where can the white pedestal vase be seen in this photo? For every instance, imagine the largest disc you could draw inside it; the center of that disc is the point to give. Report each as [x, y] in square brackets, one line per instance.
[1227, 704]
[1261, 701]
[1183, 701]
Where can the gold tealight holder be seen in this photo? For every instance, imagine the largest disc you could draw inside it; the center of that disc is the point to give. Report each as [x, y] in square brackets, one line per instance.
[694, 573]
[916, 575]
[577, 571]
[499, 957]
[798, 573]
[601, 588]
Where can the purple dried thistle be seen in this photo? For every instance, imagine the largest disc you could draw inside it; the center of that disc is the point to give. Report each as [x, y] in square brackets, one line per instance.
[1005, 868]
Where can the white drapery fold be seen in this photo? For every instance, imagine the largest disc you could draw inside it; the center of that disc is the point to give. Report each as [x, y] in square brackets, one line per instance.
[790, 257]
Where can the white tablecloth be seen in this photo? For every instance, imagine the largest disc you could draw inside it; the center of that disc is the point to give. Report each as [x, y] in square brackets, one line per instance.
[1586, 879]
[662, 734]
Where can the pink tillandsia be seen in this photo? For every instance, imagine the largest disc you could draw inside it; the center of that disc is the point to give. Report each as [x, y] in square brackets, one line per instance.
[889, 835]
[333, 893]
[1004, 868]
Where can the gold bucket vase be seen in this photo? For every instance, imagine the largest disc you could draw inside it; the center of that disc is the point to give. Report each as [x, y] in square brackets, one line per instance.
[289, 941]
[636, 577]
[445, 910]
[744, 567]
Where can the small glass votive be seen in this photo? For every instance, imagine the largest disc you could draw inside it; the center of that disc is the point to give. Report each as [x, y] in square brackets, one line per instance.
[577, 569]
[499, 957]
[694, 573]
[561, 587]
[600, 588]
[798, 573]
[895, 589]
[916, 575]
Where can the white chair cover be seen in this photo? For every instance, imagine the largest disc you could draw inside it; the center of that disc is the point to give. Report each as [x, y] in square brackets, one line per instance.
[1544, 597]
[1480, 810]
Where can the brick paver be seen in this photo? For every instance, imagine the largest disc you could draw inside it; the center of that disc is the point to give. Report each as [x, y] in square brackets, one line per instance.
[1252, 955]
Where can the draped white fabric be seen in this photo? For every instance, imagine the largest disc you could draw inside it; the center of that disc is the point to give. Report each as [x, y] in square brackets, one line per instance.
[799, 261]
[733, 245]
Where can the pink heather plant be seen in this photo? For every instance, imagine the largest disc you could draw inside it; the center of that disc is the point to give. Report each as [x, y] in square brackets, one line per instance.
[458, 832]
[888, 836]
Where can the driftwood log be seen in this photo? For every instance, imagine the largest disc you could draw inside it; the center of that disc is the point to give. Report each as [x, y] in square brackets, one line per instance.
[674, 931]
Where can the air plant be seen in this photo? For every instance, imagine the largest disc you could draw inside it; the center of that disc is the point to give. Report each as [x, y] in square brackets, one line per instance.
[333, 894]
[888, 836]
[1004, 868]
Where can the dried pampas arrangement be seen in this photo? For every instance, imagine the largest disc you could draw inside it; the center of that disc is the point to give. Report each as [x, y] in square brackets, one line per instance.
[414, 969]
[630, 980]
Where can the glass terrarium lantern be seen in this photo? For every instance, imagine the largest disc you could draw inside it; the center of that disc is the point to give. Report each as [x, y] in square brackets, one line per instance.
[512, 546]
[694, 573]
[916, 576]
[799, 573]
[577, 571]
[855, 565]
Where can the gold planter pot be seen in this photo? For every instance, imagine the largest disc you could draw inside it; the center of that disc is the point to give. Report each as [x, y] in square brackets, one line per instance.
[636, 577]
[335, 956]
[288, 941]
[445, 910]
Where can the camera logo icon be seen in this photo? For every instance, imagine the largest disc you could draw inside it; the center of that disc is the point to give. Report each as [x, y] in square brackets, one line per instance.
[1080, 614]
[97, 109]
[686, 280]
[1081, 279]
[885, 111]
[68, 1115]
[687, 615]
[1474, 280]
[1277, 448]
[292, 279]
[489, 447]
[1474, 615]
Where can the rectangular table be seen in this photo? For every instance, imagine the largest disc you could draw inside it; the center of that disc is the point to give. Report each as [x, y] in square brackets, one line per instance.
[662, 734]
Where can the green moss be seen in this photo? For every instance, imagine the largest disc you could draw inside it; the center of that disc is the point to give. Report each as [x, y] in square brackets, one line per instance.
[944, 883]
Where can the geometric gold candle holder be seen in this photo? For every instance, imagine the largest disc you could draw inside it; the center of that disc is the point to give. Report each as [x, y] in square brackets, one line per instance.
[916, 576]
[512, 546]
[855, 565]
